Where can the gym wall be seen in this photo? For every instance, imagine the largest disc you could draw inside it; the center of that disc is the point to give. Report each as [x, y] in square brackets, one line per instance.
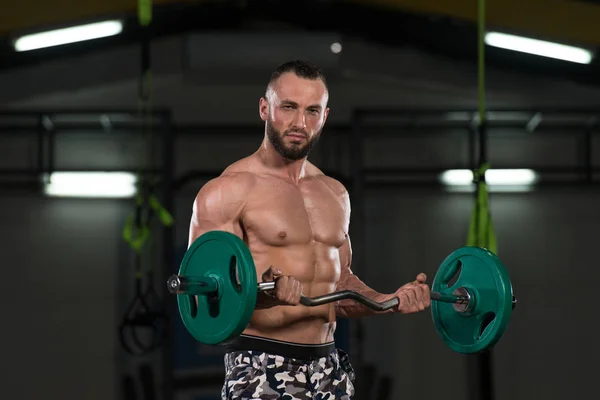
[68, 272]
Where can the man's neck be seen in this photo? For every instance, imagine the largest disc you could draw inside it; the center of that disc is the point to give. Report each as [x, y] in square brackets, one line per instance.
[291, 169]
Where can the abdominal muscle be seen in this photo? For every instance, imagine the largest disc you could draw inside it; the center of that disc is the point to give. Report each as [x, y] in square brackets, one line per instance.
[316, 266]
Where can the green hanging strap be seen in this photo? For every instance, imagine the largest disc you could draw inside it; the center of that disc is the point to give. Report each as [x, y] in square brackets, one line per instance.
[136, 231]
[146, 311]
[137, 226]
[144, 12]
[145, 78]
[164, 216]
[481, 228]
[481, 59]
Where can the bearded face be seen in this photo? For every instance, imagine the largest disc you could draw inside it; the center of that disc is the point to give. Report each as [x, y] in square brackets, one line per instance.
[294, 111]
[293, 143]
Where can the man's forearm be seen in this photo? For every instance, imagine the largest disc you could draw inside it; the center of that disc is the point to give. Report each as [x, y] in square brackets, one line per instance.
[351, 308]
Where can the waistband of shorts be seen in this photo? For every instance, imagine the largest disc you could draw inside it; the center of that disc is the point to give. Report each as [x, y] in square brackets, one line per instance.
[277, 347]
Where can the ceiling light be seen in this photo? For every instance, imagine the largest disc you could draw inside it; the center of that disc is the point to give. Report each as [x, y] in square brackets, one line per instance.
[68, 35]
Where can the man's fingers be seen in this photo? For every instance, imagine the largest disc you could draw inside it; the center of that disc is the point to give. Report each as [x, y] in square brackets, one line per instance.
[282, 287]
[426, 295]
[292, 289]
[298, 292]
[288, 290]
[423, 296]
[271, 273]
[404, 301]
[419, 305]
[412, 300]
[418, 292]
[268, 274]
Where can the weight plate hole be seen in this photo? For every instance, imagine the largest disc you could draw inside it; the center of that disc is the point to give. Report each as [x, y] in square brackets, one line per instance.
[193, 306]
[454, 277]
[214, 307]
[234, 274]
[488, 318]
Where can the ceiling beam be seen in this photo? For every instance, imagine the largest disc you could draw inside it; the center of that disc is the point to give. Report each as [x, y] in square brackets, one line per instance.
[560, 20]
[27, 15]
[564, 21]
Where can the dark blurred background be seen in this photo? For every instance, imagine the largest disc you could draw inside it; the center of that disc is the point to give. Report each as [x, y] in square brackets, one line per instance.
[404, 104]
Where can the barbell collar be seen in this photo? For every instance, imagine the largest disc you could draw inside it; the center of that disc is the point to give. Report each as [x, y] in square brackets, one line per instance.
[451, 298]
[207, 285]
[177, 284]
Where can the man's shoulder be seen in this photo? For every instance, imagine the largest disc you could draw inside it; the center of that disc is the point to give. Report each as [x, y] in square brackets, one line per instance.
[243, 165]
[236, 179]
[335, 185]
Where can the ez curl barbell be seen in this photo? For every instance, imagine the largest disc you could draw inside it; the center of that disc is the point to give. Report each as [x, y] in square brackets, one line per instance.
[472, 296]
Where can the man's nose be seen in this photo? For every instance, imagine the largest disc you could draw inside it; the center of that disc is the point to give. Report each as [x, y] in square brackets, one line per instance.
[299, 120]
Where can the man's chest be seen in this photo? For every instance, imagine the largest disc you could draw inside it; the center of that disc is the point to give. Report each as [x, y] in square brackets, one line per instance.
[281, 213]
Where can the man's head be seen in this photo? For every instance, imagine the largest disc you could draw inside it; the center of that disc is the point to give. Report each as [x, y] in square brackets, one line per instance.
[294, 108]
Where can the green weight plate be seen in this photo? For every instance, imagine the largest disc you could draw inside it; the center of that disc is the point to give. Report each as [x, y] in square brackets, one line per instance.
[484, 276]
[219, 317]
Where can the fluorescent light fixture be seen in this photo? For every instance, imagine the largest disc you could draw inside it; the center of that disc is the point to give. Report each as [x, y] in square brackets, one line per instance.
[91, 184]
[498, 180]
[68, 35]
[538, 47]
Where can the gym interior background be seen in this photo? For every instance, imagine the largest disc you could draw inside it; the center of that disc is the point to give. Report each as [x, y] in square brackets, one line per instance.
[404, 103]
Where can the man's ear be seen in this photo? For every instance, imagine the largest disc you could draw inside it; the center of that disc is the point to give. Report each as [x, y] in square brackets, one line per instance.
[325, 115]
[263, 108]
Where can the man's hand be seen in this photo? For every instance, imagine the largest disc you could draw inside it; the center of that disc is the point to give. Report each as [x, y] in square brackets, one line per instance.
[287, 289]
[414, 296]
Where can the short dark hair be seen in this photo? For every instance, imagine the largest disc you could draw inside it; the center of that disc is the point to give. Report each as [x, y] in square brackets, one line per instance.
[302, 69]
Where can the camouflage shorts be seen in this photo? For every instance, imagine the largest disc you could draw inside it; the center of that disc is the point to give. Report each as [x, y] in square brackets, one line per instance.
[260, 375]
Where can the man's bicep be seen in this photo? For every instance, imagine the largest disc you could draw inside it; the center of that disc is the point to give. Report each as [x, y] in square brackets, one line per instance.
[215, 208]
[200, 225]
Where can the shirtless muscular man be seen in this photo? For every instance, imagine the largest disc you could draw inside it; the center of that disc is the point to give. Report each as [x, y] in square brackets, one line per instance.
[295, 221]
